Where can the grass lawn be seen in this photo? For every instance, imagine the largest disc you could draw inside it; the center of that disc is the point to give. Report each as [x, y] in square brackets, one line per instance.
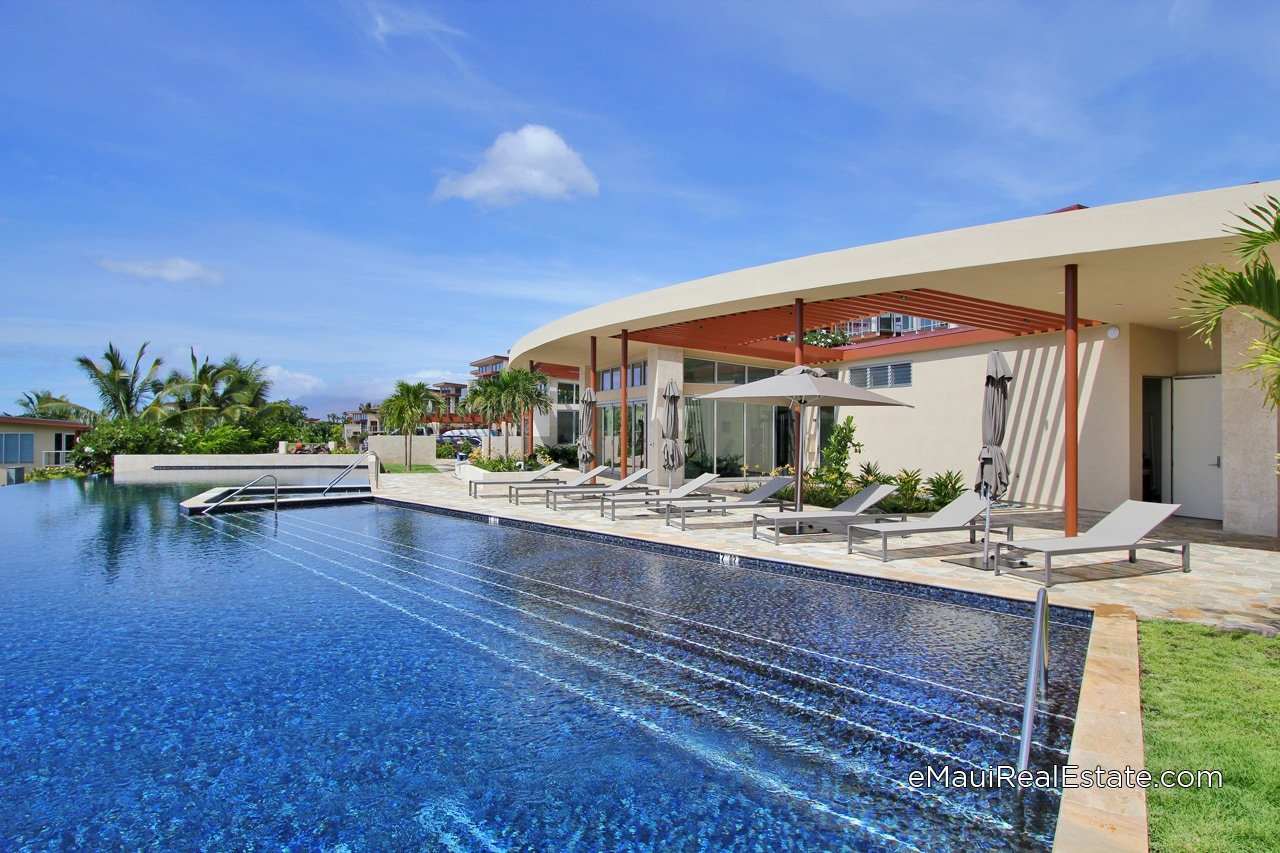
[392, 468]
[1211, 700]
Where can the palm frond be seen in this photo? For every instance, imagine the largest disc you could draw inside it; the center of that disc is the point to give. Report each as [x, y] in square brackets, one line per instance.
[1258, 229]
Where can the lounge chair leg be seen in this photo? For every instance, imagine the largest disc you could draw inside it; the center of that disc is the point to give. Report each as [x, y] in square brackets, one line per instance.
[884, 547]
[997, 559]
[1048, 571]
[1133, 555]
[1186, 557]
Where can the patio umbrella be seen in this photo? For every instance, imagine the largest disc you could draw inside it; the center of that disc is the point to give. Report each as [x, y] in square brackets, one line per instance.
[993, 465]
[586, 428]
[672, 454]
[801, 386]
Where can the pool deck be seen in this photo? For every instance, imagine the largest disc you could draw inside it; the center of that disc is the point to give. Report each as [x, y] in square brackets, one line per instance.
[1234, 584]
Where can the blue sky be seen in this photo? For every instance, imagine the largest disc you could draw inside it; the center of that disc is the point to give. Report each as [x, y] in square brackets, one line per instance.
[358, 192]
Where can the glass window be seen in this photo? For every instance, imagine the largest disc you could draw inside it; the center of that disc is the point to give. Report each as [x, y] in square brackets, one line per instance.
[698, 439]
[758, 458]
[566, 427]
[729, 434]
[567, 393]
[730, 374]
[18, 448]
[882, 375]
[638, 374]
[699, 370]
[609, 380]
[754, 373]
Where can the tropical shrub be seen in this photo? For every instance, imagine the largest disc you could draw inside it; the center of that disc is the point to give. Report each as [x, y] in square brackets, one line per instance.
[565, 454]
[945, 487]
[484, 462]
[225, 439]
[58, 472]
[870, 474]
[94, 451]
[909, 497]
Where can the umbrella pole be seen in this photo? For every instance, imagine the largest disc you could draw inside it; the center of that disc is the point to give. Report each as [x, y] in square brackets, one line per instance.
[986, 533]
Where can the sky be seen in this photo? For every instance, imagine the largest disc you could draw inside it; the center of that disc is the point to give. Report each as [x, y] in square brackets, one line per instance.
[358, 192]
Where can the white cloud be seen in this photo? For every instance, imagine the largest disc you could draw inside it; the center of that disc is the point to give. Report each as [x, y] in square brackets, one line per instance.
[176, 270]
[292, 383]
[533, 162]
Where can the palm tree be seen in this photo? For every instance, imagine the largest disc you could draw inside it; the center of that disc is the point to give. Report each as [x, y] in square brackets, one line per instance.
[197, 399]
[126, 392]
[45, 404]
[509, 394]
[1211, 289]
[247, 388]
[404, 411]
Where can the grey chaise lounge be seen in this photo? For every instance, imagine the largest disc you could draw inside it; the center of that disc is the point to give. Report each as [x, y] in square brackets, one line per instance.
[752, 500]
[1123, 529]
[681, 493]
[473, 486]
[630, 483]
[850, 511]
[961, 514]
[515, 490]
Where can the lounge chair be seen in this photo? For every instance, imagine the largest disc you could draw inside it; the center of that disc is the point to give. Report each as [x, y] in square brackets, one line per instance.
[680, 493]
[630, 483]
[473, 486]
[515, 490]
[850, 511]
[753, 500]
[961, 514]
[1121, 530]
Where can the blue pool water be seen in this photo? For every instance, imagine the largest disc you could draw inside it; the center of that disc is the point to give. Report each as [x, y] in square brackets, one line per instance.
[372, 678]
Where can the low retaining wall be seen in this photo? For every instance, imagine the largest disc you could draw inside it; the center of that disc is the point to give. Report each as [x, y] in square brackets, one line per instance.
[224, 467]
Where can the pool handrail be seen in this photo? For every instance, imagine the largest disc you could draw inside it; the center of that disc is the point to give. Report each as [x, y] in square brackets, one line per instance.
[345, 471]
[275, 498]
[1037, 676]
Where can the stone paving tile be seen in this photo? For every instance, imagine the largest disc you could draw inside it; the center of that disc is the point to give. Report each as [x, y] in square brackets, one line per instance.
[1234, 582]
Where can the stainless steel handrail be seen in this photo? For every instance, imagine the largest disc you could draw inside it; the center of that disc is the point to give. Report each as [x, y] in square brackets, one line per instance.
[347, 470]
[1037, 677]
[276, 503]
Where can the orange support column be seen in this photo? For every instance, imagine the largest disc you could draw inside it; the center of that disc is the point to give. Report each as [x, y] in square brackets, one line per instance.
[595, 445]
[1071, 431]
[626, 450]
[798, 430]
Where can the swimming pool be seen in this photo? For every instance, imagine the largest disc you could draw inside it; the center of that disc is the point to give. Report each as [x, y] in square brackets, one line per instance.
[373, 678]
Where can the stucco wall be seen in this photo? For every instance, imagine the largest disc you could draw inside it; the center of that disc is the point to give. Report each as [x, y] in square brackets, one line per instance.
[1250, 438]
[944, 430]
[42, 442]
[664, 363]
[390, 448]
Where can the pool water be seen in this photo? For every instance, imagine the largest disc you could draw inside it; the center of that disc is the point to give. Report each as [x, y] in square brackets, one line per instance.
[368, 677]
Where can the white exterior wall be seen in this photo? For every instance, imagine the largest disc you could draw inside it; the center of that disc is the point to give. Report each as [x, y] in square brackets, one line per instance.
[944, 429]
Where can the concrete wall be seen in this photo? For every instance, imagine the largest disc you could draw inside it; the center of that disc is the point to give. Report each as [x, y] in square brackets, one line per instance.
[235, 468]
[390, 448]
[1250, 438]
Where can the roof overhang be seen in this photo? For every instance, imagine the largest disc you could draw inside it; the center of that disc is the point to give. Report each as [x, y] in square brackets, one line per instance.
[1131, 257]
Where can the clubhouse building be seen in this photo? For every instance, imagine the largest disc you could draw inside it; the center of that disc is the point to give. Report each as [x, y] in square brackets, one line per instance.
[1111, 398]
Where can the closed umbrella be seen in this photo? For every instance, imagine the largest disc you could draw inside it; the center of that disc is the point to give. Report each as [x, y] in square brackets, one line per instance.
[672, 454]
[586, 428]
[993, 465]
[801, 386]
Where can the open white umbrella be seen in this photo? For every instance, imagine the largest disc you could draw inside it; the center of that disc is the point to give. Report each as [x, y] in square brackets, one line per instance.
[672, 454]
[801, 386]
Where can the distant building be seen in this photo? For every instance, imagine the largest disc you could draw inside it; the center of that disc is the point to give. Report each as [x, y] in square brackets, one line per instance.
[37, 442]
[488, 366]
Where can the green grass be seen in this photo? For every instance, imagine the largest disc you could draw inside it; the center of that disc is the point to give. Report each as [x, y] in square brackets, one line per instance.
[1211, 700]
[393, 468]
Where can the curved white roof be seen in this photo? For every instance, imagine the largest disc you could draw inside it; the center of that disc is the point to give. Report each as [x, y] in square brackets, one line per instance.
[1131, 258]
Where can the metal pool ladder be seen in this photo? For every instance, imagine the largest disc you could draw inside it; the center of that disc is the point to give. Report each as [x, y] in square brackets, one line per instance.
[1037, 676]
[345, 471]
[275, 501]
